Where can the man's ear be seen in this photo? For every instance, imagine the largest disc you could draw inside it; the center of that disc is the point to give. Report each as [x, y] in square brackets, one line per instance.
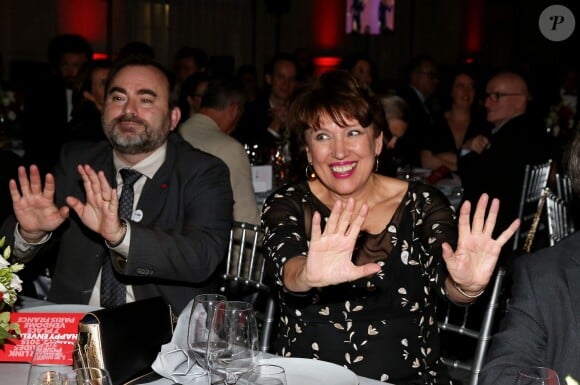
[268, 79]
[234, 109]
[175, 116]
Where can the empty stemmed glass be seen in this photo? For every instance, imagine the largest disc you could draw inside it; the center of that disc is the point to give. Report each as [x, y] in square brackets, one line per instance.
[266, 374]
[52, 362]
[88, 376]
[232, 347]
[199, 324]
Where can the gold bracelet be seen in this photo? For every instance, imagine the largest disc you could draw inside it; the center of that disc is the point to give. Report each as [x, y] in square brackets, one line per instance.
[465, 294]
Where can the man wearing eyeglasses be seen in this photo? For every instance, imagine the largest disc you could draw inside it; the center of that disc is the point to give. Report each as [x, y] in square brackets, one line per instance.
[516, 140]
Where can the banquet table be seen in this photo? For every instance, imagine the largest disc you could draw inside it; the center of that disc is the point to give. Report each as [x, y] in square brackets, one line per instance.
[17, 373]
[12, 373]
[450, 185]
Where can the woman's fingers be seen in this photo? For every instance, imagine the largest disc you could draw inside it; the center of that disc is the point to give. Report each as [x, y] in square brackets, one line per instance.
[345, 218]
[479, 215]
[333, 219]
[358, 221]
[316, 232]
[491, 217]
[509, 232]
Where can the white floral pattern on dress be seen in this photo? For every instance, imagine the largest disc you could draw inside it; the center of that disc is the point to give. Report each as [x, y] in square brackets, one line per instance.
[384, 326]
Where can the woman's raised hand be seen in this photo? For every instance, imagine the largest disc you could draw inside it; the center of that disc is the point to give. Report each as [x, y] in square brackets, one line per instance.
[473, 263]
[329, 259]
[34, 205]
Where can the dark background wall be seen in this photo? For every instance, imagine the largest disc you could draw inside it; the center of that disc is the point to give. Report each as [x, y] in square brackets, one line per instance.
[496, 33]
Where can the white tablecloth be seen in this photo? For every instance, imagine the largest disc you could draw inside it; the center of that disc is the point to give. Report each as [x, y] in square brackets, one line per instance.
[17, 373]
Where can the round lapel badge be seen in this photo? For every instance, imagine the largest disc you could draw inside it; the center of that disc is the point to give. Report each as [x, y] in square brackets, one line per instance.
[137, 216]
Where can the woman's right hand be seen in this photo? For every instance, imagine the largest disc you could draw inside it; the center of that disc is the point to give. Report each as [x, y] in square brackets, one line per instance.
[34, 205]
[329, 260]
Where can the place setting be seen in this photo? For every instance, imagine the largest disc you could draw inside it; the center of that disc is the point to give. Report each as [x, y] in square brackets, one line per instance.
[217, 340]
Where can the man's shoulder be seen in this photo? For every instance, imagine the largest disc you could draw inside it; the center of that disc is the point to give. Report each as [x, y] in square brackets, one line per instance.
[560, 256]
[86, 149]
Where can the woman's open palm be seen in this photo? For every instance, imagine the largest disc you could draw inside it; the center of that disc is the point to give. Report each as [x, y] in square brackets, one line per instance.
[473, 263]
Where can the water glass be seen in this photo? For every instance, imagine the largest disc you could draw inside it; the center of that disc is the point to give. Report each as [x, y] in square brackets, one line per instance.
[199, 324]
[266, 374]
[89, 376]
[51, 361]
[232, 346]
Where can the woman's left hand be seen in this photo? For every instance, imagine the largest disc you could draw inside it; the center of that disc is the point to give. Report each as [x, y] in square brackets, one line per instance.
[473, 263]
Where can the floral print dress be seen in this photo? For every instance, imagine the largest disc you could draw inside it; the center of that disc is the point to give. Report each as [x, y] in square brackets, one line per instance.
[384, 326]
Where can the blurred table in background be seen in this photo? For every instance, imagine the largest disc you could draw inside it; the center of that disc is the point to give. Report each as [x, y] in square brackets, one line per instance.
[449, 183]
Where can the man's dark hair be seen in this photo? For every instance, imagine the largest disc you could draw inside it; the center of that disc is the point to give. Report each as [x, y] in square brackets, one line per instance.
[136, 48]
[221, 92]
[269, 68]
[416, 63]
[86, 73]
[68, 43]
[139, 61]
[199, 56]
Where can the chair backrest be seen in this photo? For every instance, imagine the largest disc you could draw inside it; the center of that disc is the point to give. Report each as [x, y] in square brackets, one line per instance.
[482, 335]
[560, 223]
[564, 187]
[535, 222]
[535, 180]
[244, 276]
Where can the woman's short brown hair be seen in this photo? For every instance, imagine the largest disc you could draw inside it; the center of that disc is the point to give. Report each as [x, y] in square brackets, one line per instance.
[337, 95]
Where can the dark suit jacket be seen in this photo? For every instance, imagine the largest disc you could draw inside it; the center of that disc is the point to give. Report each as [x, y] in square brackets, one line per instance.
[542, 323]
[419, 122]
[499, 170]
[9, 163]
[252, 129]
[45, 121]
[176, 247]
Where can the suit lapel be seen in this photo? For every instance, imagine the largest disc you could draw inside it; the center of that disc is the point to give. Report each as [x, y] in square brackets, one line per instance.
[155, 191]
[573, 278]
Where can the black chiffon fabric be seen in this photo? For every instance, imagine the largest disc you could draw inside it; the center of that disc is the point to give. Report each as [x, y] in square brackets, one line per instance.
[383, 326]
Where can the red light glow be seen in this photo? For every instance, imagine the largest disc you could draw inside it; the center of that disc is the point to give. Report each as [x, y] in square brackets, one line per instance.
[325, 63]
[87, 18]
[328, 21]
[100, 56]
[473, 26]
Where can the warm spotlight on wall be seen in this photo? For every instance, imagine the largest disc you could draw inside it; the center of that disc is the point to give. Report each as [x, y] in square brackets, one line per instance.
[100, 56]
[325, 63]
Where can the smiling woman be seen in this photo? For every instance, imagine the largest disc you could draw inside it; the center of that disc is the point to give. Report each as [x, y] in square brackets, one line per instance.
[359, 257]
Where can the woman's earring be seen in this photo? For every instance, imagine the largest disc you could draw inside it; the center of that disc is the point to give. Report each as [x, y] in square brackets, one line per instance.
[376, 163]
[310, 173]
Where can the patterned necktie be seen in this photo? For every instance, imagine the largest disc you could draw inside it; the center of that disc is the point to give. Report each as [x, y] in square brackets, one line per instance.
[113, 292]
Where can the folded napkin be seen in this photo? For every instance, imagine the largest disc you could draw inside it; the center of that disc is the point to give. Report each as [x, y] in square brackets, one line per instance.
[175, 361]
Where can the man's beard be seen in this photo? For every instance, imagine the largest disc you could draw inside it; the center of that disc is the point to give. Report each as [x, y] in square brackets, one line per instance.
[148, 140]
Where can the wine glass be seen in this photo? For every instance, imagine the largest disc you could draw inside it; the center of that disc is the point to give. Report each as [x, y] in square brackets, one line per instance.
[51, 362]
[88, 376]
[266, 374]
[537, 375]
[232, 346]
[199, 324]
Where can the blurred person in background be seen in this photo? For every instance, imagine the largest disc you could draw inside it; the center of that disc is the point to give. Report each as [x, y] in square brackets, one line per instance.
[86, 123]
[48, 104]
